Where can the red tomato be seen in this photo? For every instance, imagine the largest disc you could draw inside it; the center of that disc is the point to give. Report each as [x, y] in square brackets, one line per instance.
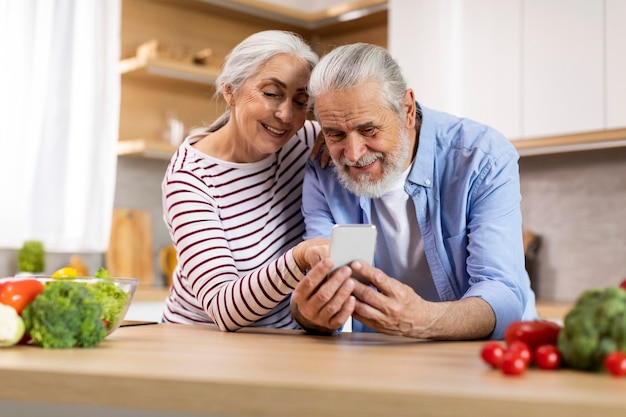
[19, 292]
[547, 357]
[513, 364]
[492, 353]
[615, 363]
[533, 333]
[623, 284]
[521, 350]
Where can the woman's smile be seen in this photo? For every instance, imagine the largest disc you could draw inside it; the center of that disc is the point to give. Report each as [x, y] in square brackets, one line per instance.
[273, 131]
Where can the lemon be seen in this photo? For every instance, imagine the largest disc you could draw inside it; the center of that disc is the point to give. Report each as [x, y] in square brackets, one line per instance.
[65, 272]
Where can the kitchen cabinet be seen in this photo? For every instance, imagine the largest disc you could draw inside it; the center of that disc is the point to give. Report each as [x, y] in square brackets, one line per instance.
[563, 66]
[462, 57]
[491, 67]
[525, 67]
[549, 74]
[615, 63]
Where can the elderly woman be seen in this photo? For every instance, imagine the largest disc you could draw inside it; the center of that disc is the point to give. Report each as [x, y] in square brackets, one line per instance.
[232, 194]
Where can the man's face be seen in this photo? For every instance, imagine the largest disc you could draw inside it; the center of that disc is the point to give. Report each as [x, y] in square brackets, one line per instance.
[369, 144]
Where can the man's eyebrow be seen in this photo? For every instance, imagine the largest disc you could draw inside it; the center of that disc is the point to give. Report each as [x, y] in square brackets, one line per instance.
[330, 130]
[365, 125]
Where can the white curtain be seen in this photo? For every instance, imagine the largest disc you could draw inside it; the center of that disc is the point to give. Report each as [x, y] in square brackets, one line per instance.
[59, 114]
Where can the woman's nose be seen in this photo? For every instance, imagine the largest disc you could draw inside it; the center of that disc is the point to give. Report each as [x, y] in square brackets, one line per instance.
[284, 112]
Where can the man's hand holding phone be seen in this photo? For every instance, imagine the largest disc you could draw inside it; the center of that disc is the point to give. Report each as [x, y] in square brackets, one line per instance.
[323, 300]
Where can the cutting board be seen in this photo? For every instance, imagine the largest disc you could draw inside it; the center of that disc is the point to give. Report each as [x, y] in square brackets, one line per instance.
[130, 247]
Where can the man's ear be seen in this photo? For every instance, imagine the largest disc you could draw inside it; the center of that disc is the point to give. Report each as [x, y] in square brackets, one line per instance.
[408, 103]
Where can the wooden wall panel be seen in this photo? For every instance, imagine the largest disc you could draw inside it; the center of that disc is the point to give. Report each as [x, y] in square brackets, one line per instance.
[183, 27]
[145, 109]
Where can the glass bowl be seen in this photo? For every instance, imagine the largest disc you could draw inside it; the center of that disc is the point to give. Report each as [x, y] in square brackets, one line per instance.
[115, 294]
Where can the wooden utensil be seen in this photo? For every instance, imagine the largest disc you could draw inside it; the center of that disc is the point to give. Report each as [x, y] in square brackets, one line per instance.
[130, 247]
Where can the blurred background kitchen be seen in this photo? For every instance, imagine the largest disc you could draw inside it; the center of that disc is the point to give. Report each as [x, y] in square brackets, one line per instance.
[95, 95]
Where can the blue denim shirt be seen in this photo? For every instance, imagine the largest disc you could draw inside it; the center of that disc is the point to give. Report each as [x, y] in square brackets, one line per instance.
[464, 182]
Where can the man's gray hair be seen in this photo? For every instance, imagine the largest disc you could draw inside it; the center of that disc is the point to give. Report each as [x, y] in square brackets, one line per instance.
[356, 64]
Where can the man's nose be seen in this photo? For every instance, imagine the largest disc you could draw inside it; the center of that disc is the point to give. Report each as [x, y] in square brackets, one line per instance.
[354, 147]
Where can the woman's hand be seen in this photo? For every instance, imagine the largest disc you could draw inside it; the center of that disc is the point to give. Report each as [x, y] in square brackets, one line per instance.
[319, 148]
[310, 252]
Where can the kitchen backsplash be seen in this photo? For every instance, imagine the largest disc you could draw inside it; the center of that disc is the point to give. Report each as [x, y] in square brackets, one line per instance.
[576, 201]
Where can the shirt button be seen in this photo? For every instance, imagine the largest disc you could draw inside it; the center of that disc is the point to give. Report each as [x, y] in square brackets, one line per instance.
[427, 181]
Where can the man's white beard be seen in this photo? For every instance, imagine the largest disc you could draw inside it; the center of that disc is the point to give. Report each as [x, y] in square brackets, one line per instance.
[393, 166]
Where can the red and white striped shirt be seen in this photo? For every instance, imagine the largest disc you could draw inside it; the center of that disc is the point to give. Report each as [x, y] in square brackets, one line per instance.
[234, 226]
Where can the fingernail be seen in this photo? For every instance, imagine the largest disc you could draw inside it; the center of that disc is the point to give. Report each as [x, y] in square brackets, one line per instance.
[356, 264]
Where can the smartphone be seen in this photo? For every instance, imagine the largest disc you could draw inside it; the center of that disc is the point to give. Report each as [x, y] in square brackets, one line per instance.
[349, 242]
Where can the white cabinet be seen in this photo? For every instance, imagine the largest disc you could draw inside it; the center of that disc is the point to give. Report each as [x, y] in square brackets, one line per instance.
[530, 68]
[462, 57]
[490, 66]
[615, 64]
[563, 66]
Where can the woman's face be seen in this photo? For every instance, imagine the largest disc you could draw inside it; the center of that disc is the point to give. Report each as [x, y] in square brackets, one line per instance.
[271, 106]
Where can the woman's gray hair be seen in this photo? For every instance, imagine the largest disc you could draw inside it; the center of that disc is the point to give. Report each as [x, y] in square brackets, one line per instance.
[355, 64]
[248, 56]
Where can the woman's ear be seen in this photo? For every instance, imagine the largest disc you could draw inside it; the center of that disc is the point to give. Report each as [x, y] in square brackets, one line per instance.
[408, 103]
[228, 94]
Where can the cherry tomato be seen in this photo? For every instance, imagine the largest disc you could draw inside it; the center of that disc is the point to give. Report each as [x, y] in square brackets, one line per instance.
[521, 350]
[492, 353]
[615, 363]
[513, 364]
[19, 292]
[534, 333]
[547, 357]
[623, 284]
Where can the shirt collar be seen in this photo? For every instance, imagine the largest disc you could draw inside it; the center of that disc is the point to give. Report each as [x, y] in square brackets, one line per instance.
[422, 168]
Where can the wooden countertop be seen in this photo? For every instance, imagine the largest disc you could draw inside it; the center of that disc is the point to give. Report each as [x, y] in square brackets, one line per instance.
[196, 369]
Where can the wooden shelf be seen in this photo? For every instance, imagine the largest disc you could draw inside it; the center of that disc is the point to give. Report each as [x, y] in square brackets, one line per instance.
[168, 70]
[601, 139]
[145, 148]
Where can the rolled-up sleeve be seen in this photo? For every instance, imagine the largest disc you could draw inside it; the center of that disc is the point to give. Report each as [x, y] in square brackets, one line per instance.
[495, 261]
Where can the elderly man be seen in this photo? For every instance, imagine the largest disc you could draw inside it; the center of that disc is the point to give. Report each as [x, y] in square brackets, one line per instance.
[443, 193]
